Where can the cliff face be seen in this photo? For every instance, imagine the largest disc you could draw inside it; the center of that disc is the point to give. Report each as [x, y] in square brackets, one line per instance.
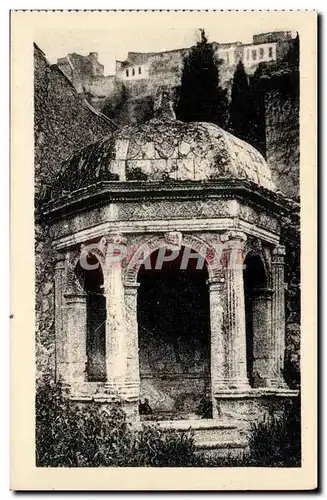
[63, 122]
[282, 140]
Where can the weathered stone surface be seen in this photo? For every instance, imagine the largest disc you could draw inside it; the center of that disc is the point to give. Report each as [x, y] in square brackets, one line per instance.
[278, 311]
[173, 377]
[75, 322]
[212, 154]
[44, 302]
[116, 326]
[264, 372]
[63, 122]
[282, 139]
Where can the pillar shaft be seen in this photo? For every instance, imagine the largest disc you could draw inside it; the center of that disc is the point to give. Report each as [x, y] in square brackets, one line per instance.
[235, 324]
[60, 330]
[278, 314]
[228, 333]
[76, 325]
[218, 354]
[116, 344]
[133, 370]
[263, 360]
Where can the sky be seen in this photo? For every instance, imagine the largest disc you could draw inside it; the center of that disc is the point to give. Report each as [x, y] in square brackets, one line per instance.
[115, 42]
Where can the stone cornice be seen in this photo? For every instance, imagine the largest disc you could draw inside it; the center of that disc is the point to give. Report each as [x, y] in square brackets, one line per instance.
[115, 191]
[155, 226]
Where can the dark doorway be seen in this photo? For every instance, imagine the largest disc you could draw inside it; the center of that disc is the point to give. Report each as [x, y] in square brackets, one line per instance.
[92, 282]
[174, 338]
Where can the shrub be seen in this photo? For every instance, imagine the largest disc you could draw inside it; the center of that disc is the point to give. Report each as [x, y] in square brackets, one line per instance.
[276, 441]
[69, 434]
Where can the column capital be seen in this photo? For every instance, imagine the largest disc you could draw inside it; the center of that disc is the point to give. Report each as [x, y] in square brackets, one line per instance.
[279, 251]
[60, 261]
[113, 239]
[233, 235]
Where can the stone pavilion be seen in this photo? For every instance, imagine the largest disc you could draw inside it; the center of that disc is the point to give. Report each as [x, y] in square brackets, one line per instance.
[210, 336]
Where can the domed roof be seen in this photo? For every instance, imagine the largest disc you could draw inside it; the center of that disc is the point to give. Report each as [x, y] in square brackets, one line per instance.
[162, 149]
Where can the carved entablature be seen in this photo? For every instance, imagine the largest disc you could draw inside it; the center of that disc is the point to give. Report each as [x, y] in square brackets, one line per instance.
[259, 218]
[172, 209]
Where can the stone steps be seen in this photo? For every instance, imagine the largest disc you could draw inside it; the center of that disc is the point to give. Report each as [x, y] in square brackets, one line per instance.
[232, 449]
[212, 437]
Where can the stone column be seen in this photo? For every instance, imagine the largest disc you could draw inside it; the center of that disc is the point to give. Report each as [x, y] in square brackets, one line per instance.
[116, 342]
[218, 361]
[217, 296]
[234, 312]
[133, 369]
[60, 330]
[76, 327]
[278, 316]
[262, 337]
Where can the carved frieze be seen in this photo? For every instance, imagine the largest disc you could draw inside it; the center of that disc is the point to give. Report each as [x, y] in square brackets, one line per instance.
[175, 210]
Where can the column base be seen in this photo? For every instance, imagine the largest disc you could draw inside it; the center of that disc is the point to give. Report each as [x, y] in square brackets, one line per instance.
[273, 384]
[123, 389]
[268, 378]
[230, 384]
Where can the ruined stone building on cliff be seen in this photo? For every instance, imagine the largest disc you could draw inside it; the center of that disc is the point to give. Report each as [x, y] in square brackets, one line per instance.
[144, 72]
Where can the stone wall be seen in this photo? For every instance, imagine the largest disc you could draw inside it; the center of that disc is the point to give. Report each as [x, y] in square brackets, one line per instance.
[281, 100]
[63, 122]
[282, 140]
[254, 408]
[99, 88]
[291, 238]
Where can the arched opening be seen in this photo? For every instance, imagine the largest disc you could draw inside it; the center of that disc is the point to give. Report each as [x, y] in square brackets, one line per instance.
[92, 283]
[174, 338]
[256, 316]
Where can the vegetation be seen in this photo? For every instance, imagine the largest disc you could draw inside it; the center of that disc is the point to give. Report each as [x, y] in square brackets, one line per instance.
[276, 440]
[244, 116]
[69, 434]
[200, 96]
